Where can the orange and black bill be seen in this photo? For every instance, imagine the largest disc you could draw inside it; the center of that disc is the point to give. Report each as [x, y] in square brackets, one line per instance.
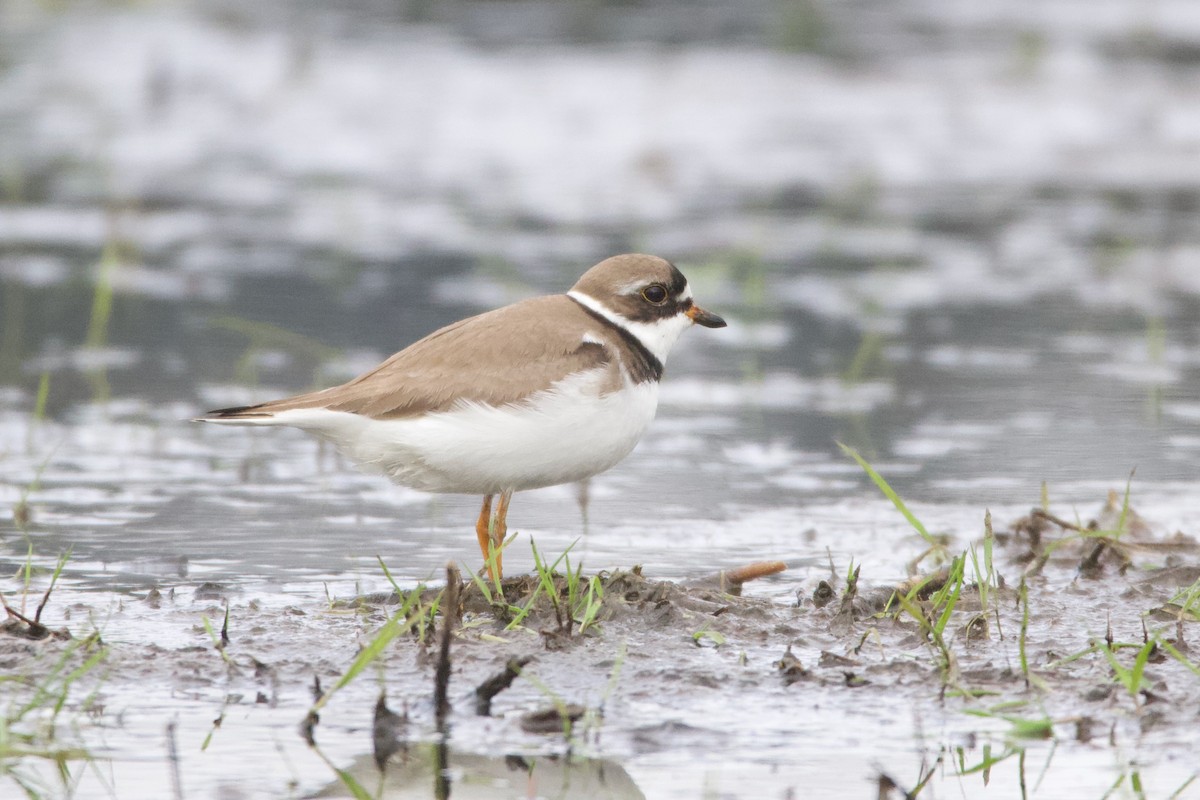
[706, 318]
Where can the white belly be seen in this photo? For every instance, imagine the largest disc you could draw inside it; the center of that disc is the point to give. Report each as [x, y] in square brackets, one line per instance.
[561, 435]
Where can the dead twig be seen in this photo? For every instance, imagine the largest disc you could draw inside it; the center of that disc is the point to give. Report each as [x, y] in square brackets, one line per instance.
[734, 578]
[1059, 521]
[441, 705]
[496, 684]
[441, 684]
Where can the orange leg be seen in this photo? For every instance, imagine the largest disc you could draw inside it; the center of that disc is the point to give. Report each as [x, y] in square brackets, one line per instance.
[500, 530]
[482, 526]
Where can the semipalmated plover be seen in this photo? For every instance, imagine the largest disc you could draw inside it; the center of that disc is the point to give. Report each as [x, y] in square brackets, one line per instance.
[546, 391]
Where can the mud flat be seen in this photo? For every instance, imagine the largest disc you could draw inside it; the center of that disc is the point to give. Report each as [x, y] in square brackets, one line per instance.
[1048, 653]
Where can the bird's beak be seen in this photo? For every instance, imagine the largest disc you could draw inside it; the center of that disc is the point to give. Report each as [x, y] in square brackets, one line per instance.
[706, 318]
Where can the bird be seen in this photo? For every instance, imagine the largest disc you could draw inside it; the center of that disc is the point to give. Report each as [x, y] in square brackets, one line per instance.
[549, 390]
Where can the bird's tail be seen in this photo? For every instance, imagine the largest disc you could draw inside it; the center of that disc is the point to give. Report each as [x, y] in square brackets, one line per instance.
[273, 412]
[260, 414]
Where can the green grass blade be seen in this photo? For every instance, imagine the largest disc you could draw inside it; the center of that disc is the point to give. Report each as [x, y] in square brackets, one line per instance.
[545, 583]
[102, 297]
[76, 674]
[43, 394]
[1123, 520]
[1139, 666]
[390, 630]
[353, 785]
[480, 583]
[387, 573]
[1124, 675]
[956, 582]
[396, 624]
[890, 493]
[1031, 728]
[1179, 792]
[593, 601]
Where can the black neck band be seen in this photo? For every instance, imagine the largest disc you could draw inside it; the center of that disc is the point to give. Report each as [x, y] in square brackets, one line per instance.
[646, 366]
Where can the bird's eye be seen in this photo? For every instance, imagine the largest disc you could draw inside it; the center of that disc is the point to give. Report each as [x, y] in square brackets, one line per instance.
[655, 294]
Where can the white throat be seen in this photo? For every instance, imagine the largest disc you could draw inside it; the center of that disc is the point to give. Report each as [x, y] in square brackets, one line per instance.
[657, 337]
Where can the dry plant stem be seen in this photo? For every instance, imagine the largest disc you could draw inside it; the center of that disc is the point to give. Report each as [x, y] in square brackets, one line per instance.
[497, 684]
[441, 705]
[36, 629]
[928, 773]
[1091, 561]
[1037, 565]
[37, 615]
[750, 572]
[886, 785]
[12, 612]
[1059, 521]
[449, 619]
[33, 628]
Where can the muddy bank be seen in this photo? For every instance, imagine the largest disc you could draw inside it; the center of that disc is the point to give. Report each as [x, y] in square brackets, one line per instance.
[1053, 642]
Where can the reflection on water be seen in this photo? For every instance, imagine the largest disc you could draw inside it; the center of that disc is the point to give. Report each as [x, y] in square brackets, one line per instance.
[962, 242]
[474, 776]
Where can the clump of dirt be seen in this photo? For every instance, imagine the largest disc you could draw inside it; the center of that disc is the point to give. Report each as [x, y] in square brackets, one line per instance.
[1109, 541]
[23, 627]
[619, 595]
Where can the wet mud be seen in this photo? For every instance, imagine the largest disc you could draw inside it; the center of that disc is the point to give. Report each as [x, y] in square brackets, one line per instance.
[1045, 633]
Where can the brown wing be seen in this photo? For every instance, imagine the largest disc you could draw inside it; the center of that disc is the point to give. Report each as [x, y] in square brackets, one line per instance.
[496, 358]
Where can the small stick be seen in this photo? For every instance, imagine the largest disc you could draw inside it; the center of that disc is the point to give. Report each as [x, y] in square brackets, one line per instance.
[1091, 562]
[730, 580]
[496, 684]
[37, 615]
[33, 628]
[441, 706]
[442, 677]
[1059, 521]
[759, 569]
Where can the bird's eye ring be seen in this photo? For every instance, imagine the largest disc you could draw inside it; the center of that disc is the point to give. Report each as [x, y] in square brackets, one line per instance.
[655, 294]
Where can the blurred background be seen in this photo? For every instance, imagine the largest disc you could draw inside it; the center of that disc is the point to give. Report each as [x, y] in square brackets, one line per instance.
[960, 237]
[963, 238]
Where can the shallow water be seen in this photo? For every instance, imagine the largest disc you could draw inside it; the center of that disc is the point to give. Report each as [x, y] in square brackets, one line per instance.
[959, 241]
